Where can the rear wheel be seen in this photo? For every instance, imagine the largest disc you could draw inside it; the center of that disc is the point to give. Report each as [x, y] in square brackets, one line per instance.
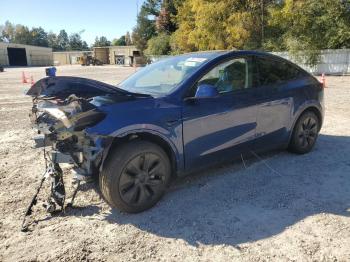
[305, 133]
[135, 176]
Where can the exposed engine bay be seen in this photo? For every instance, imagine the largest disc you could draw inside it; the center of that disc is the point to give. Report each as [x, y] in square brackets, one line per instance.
[63, 107]
[61, 125]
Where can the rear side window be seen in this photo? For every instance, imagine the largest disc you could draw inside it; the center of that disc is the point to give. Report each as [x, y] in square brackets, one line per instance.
[272, 71]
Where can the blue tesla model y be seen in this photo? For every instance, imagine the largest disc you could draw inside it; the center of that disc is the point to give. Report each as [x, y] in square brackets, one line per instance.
[175, 116]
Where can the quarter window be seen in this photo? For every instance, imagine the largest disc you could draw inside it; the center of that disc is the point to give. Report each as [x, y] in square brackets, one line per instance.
[272, 71]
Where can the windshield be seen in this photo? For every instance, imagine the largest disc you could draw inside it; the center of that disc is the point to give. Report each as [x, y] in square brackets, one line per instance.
[163, 76]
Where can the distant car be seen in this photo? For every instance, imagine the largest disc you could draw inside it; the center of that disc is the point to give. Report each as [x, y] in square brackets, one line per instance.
[175, 116]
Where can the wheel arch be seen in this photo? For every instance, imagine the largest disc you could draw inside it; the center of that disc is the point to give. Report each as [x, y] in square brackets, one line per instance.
[311, 108]
[317, 112]
[152, 137]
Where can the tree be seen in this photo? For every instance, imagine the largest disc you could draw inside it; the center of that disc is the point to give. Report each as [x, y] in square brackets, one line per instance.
[222, 24]
[145, 28]
[128, 40]
[120, 41]
[8, 32]
[151, 7]
[165, 21]
[75, 42]
[84, 46]
[309, 26]
[23, 35]
[52, 41]
[62, 40]
[155, 17]
[180, 39]
[101, 41]
[39, 37]
[158, 45]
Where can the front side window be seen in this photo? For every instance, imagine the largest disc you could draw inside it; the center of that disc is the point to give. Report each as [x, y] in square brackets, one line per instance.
[230, 76]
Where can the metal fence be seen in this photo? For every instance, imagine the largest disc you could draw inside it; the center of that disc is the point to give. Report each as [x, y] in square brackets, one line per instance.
[333, 62]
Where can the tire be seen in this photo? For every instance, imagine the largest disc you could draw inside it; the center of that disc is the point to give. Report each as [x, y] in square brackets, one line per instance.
[135, 176]
[305, 133]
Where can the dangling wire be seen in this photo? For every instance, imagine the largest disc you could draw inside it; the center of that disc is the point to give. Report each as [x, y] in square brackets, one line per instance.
[245, 167]
[265, 163]
[45, 157]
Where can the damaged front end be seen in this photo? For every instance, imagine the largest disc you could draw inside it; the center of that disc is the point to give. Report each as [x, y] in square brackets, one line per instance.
[61, 112]
[61, 120]
[61, 125]
[64, 111]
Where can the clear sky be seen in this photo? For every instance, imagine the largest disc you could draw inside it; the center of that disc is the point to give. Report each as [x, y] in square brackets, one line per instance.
[110, 18]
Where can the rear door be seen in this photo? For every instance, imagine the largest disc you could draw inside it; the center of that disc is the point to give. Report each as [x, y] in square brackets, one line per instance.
[278, 87]
[215, 129]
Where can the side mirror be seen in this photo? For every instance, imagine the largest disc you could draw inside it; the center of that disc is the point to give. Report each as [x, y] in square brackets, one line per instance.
[206, 91]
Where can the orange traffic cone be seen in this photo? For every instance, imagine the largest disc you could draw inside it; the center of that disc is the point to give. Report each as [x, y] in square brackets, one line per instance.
[323, 80]
[31, 80]
[24, 79]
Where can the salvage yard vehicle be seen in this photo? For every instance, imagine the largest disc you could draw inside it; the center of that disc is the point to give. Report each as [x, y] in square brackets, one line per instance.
[86, 59]
[173, 117]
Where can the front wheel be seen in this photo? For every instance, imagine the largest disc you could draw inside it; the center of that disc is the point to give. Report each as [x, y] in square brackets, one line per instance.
[305, 133]
[135, 176]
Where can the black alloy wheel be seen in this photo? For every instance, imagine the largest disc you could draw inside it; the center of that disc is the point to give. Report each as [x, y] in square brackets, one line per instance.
[135, 176]
[305, 133]
[142, 179]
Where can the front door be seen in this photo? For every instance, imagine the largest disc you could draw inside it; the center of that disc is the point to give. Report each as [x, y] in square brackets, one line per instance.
[216, 129]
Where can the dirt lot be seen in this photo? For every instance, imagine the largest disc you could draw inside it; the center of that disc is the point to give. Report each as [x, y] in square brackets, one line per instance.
[228, 213]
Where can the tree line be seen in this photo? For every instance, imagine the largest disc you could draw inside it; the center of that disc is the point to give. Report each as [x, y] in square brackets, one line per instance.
[176, 26]
[20, 34]
[298, 26]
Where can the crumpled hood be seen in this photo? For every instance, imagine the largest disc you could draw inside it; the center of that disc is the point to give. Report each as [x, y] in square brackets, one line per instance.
[65, 103]
[63, 86]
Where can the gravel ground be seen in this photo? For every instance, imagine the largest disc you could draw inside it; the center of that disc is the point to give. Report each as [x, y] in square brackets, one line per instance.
[298, 213]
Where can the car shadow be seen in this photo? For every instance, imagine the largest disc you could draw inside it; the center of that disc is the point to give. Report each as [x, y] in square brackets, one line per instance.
[233, 204]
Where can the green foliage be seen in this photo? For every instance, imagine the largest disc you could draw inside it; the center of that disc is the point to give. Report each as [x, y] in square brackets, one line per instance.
[222, 24]
[52, 41]
[155, 17]
[23, 35]
[145, 28]
[38, 36]
[309, 26]
[62, 41]
[8, 32]
[101, 41]
[76, 43]
[124, 40]
[158, 45]
[120, 41]
[302, 27]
